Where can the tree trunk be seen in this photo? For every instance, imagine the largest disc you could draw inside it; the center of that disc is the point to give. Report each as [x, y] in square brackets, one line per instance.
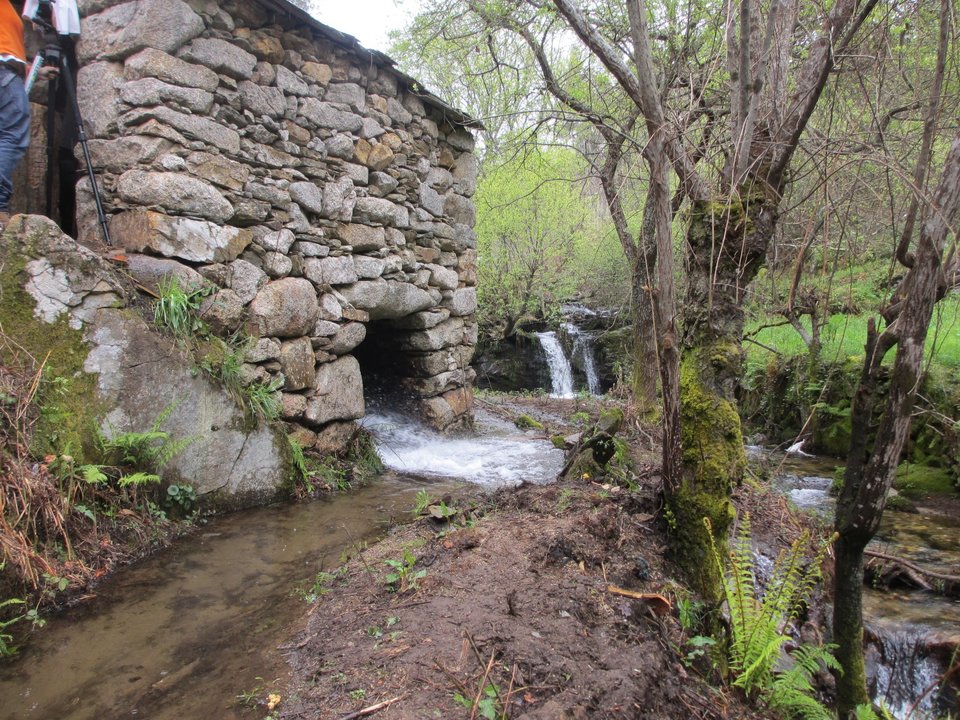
[644, 262]
[848, 634]
[869, 475]
[726, 242]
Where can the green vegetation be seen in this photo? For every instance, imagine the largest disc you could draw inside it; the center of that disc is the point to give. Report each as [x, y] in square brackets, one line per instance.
[402, 575]
[177, 311]
[759, 619]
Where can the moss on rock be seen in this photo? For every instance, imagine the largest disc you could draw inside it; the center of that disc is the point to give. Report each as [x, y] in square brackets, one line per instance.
[66, 394]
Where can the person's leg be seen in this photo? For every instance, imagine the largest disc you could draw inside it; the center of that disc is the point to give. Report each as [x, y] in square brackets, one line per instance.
[14, 133]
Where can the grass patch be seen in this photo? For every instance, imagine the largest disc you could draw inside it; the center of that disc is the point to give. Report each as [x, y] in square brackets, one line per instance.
[915, 481]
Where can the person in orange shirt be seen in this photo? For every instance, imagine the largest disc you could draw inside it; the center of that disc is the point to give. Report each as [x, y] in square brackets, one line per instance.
[14, 107]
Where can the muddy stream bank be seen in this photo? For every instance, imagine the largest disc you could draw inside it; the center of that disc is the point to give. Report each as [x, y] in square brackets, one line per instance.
[185, 632]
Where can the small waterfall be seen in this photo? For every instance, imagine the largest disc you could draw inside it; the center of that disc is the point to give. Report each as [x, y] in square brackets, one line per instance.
[583, 349]
[904, 671]
[561, 374]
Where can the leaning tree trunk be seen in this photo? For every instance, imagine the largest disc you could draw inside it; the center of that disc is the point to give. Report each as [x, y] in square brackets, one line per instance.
[726, 243]
[869, 475]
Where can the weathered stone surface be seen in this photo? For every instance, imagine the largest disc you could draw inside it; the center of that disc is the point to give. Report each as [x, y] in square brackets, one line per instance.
[185, 238]
[320, 73]
[335, 437]
[223, 312]
[288, 82]
[460, 210]
[308, 196]
[430, 200]
[465, 174]
[448, 410]
[193, 126]
[140, 372]
[263, 349]
[151, 91]
[151, 271]
[174, 191]
[285, 308]
[347, 94]
[348, 337]
[298, 364]
[310, 249]
[338, 392]
[330, 270]
[153, 63]
[266, 47]
[219, 170]
[262, 100]
[340, 146]
[98, 94]
[277, 265]
[122, 30]
[325, 328]
[387, 299]
[379, 210]
[279, 241]
[339, 199]
[463, 302]
[246, 279]
[443, 278]
[368, 268]
[319, 114]
[362, 238]
[446, 334]
[422, 320]
[330, 308]
[220, 56]
[435, 384]
[382, 184]
[120, 154]
[292, 407]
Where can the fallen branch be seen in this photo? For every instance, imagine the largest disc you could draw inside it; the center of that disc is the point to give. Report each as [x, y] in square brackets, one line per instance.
[911, 566]
[659, 604]
[371, 709]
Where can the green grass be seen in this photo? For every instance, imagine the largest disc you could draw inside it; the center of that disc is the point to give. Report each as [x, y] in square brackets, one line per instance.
[845, 337]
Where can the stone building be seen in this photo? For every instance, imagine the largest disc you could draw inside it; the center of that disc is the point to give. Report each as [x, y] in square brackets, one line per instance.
[324, 194]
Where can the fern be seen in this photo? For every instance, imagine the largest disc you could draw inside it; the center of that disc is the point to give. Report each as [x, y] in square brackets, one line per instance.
[759, 621]
[792, 692]
[138, 479]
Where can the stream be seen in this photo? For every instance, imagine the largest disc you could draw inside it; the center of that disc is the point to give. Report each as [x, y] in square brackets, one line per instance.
[910, 632]
[183, 633]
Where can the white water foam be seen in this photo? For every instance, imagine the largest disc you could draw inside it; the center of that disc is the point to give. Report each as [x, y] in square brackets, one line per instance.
[583, 348]
[561, 374]
[494, 459]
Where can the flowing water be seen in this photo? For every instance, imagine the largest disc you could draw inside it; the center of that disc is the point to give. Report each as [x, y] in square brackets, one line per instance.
[911, 631]
[181, 634]
[561, 374]
[583, 350]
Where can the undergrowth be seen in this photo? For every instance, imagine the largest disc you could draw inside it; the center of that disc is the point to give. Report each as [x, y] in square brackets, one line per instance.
[178, 312]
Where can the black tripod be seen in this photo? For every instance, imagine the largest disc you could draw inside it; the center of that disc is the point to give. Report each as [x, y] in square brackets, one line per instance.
[52, 55]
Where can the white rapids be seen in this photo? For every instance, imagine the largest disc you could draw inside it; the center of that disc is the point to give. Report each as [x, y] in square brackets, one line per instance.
[500, 456]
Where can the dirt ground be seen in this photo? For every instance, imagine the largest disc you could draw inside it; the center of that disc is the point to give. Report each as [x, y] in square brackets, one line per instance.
[518, 611]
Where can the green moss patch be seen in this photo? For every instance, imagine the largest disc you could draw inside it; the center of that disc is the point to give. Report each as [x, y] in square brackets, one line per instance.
[66, 394]
[915, 481]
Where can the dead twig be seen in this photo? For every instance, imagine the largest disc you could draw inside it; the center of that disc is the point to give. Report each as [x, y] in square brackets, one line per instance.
[370, 710]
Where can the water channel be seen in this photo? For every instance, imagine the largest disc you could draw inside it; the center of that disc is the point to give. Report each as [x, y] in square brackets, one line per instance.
[910, 633]
[182, 633]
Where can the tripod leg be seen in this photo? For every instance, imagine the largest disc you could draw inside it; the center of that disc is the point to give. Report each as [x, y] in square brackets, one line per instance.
[51, 147]
[82, 135]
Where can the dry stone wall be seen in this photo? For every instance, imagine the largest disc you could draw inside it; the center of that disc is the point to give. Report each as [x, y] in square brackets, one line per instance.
[238, 145]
